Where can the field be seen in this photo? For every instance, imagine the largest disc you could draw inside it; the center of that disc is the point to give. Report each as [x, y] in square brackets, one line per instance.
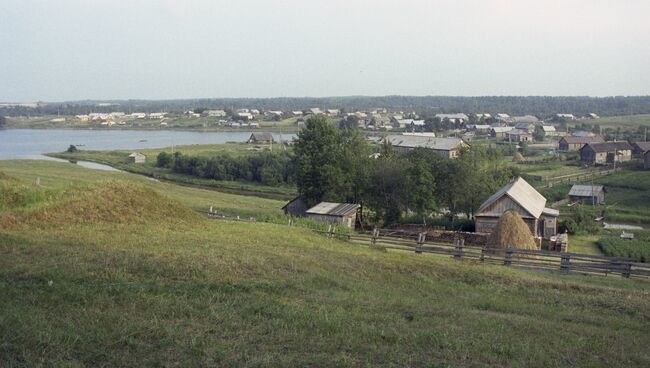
[120, 273]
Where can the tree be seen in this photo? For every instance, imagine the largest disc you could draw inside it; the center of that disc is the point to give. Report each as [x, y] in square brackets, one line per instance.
[164, 159]
[422, 186]
[72, 148]
[539, 134]
[318, 154]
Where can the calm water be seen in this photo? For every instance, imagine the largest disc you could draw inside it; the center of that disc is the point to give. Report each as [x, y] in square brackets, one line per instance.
[33, 143]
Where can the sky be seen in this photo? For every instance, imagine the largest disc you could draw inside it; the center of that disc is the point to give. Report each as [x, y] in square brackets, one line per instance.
[62, 50]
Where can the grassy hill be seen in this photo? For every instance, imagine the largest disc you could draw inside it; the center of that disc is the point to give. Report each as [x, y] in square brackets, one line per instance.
[119, 272]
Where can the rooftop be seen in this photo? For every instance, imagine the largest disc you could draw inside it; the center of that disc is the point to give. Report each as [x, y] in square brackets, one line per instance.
[333, 209]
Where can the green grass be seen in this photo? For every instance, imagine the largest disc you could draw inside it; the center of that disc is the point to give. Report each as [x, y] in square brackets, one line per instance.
[166, 287]
[629, 121]
[638, 248]
[57, 176]
[584, 244]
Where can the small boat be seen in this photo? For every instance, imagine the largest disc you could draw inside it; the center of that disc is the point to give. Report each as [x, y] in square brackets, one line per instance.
[142, 140]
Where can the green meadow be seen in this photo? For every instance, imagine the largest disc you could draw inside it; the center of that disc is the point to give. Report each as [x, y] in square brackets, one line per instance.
[113, 269]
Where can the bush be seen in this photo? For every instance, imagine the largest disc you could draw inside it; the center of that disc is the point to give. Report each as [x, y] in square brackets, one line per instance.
[164, 159]
[72, 148]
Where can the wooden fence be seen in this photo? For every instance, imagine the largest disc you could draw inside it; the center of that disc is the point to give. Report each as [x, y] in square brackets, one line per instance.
[531, 259]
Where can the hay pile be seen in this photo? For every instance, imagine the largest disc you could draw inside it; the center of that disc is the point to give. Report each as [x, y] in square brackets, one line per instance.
[512, 231]
[518, 157]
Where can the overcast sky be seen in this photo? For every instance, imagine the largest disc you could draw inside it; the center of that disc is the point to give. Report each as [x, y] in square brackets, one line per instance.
[58, 50]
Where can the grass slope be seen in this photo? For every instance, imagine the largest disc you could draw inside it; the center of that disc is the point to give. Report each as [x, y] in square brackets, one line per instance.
[181, 290]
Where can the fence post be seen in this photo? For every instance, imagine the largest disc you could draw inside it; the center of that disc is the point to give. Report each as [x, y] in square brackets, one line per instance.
[329, 231]
[627, 270]
[565, 262]
[458, 251]
[418, 245]
[482, 257]
[508, 259]
[373, 239]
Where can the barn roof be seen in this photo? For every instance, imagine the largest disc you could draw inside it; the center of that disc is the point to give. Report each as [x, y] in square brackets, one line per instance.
[609, 146]
[333, 209]
[411, 141]
[522, 193]
[643, 146]
[583, 139]
[585, 190]
[261, 136]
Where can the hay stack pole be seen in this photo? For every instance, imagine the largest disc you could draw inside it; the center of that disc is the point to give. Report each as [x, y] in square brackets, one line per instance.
[512, 231]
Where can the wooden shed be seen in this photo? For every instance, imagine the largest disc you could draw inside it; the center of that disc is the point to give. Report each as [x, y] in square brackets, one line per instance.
[340, 213]
[295, 207]
[521, 197]
[587, 194]
[606, 153]
[260, 138]
[646, 160]
[574, 143]
[136, 158]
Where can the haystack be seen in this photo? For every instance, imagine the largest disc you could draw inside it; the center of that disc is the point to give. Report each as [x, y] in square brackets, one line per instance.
[512, 231]
[518, 157]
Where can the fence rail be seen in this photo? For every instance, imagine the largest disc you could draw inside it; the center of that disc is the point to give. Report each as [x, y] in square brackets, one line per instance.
[523, 258]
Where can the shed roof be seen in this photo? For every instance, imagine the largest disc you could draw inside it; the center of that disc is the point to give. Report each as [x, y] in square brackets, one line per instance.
[522, 193]
[608, 146]
[548, 128]
[136, 154]
[410, 141]
[585, 190]
[262, 136]
[333, 209]
[583, 139]
[643, 146]
[526, 119]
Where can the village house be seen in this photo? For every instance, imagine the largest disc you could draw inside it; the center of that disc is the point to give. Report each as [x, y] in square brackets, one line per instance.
[571, 143]
[565, 116]
[528, 127]
[479, 128]
[453, 118]
[216, 113]
[333, 112]
[315, 111]
[157, 115]
[260, 138]
[521, 197]
[529, 119]
[605, 153]
[136, 158]
[640, 148]
[445, 147]
[499, 132]
[504, 118]
[587, 194]
[549, 130]
[295, 207]
[344, 214]
[296, 113]
[245, 116]
[646, 160]
[518, 135]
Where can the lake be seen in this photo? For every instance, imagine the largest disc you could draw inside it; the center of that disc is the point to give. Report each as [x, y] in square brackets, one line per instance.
[33, 143]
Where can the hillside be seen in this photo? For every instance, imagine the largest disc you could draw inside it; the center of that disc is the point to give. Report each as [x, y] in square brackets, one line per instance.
[143, 281]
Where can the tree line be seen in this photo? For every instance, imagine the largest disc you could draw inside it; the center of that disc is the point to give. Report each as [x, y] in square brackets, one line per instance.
[424, 105]
[269, 168]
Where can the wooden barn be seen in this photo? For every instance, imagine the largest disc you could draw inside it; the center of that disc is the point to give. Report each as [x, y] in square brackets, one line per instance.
[587, 194]
[445, 147]
[646, 160]
[640, 148]
[339, 213]
[574, 143]
[521, 197]
[260, 138]
[606, 153]
[295, 207]
[136, 158]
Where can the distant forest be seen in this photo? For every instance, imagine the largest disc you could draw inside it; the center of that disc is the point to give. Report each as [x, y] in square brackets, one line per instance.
[426, 105]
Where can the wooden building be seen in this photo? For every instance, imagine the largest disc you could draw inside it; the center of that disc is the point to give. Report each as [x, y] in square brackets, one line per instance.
[445, 147]
[295, 207]
[640, 148]
[646, 160]
[605, 153]
[574, 143]
[260, 138]
[521, 197]
[518, 135]
[587, 194]
[344, 214]
[136, 158]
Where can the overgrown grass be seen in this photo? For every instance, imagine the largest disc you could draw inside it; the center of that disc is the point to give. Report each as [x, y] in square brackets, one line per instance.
[196, 292]
[638, 248]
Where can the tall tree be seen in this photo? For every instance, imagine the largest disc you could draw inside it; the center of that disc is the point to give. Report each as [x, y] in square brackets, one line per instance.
[318, 154]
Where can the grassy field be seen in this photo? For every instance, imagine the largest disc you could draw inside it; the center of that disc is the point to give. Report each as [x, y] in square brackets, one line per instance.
[624, 121]
[115, 273]
[57, 176]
